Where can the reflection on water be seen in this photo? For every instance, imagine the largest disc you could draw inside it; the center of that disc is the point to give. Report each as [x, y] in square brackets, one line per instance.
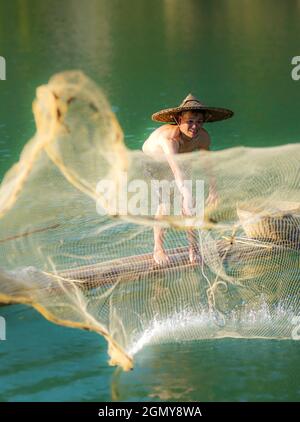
[41, 361]
[225, 52]
[207, 370]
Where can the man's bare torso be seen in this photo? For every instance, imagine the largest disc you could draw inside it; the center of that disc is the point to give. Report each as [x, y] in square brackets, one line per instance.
[154, 144]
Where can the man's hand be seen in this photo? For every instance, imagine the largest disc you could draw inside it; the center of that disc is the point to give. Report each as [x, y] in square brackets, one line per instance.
[213, 197]
[188, 203]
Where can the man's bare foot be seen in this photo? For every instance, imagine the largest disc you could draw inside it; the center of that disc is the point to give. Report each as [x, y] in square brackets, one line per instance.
[160, 257]
[194, 256]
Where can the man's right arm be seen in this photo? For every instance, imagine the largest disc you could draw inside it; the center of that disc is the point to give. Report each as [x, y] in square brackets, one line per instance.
[170, 148]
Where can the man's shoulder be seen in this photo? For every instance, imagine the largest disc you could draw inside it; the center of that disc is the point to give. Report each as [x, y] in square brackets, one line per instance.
[204, 133]
[164, 137]
[166, 132]
[166, 129]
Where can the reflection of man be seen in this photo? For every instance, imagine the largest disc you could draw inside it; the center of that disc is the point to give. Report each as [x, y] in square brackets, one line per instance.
[183, 133]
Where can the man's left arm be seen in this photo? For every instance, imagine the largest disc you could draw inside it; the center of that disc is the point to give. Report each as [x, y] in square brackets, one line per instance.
[212, 198]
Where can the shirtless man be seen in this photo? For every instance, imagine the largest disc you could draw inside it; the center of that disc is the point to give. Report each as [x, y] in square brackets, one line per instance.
[186, 135]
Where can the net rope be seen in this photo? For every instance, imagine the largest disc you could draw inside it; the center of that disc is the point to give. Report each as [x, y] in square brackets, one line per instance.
[86, 270]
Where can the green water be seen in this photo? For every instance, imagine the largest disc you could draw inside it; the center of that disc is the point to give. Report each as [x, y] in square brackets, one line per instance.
[44, 362]
[147, 55]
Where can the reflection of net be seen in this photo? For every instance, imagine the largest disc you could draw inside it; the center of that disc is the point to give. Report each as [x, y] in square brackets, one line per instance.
[85, 270]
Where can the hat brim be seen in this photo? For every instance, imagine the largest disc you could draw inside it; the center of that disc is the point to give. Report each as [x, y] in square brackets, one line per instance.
[212, 114]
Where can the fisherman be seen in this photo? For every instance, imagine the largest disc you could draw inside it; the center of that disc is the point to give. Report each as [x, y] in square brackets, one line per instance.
[183, 132]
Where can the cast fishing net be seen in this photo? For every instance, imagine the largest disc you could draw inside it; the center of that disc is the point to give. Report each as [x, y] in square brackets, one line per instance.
[69, 251]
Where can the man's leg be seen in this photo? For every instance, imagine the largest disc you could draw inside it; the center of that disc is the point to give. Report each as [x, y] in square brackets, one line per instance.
[159, 254]
[194, 253]
[193, 240]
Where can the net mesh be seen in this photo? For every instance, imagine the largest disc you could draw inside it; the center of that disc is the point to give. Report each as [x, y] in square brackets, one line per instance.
[83, 269]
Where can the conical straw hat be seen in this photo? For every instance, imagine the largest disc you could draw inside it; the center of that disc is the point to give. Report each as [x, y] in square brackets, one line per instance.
[191, 103]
